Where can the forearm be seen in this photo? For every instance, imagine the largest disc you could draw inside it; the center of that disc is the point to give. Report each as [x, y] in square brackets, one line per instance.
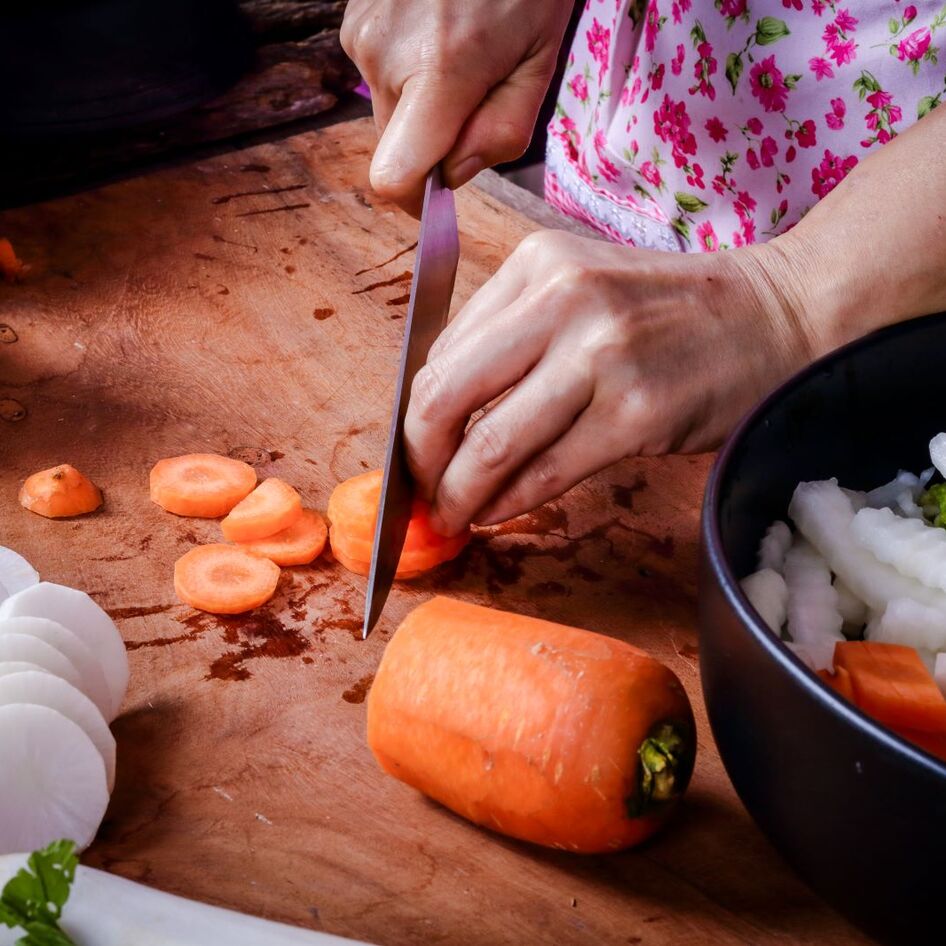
[873, 252]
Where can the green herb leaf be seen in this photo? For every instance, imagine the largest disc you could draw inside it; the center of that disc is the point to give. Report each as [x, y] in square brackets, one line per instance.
[770, 30]
[34, 897]
[733, 69]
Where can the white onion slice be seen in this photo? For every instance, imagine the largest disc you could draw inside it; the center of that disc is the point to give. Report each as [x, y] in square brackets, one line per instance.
[44, 689]
[52, 780]
[19, 666]
[16, 573]
[23, 647]
[81, 615]
[94, 685]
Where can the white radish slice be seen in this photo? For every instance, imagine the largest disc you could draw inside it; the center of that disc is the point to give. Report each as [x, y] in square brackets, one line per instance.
[814, 619]
[914, 548]
[19, 666]
[16, 573]
[768, 594]
[908, 622]
[823, 515]
[43, 689]
[23, 647]
[853, 610]
[94, 685]
[775, 543]
[938, 453]
[78, 612]
[52, 780]
[890, 493]
[939, 672]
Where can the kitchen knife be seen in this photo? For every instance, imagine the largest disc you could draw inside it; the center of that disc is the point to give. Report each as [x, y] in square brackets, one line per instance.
[435, 269]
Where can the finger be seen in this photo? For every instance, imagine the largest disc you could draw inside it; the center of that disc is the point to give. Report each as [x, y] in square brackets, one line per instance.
[450, 387]
[423, 127]
[495, 295]
[589, 446]
[501, 127]
[532, 416]
[383, 101]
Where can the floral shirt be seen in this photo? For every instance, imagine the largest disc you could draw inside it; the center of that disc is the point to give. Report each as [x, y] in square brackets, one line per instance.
[700, 125]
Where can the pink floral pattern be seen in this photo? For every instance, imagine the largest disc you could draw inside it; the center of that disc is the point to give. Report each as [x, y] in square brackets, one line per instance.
[699, 125]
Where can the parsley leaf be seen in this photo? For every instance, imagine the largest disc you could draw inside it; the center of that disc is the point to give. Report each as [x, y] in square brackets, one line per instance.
[33, 899]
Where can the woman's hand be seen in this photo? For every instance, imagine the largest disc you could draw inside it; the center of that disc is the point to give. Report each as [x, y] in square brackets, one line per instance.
[605, 352]
[454, 80]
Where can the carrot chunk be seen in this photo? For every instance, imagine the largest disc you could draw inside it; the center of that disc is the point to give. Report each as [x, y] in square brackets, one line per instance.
[891, 684]
[543, 732]
[839, 681]
[11, 268]
[299, 544]
[224, 579]
[204, 485]
[353, 513]
[932, 742]
[59, 492]
[270, 508]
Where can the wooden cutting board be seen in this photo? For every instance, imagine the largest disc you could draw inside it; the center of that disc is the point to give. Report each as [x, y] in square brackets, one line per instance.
[253, 304]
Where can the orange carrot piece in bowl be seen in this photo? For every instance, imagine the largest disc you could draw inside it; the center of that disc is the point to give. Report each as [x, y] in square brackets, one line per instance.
[891, 684]
[353, 512]
[224, 579]
[299, 544]
[203, 485]
[11, 268]
[273, 506]
[932, 742]
[839, 681]
[59, 492]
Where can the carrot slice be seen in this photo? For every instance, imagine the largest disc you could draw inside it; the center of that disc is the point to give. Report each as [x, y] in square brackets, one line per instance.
[224, 579]
[204, 485]
[299, 544]
[543, 732]
[11, 268]
[353, 512]
[933, 742]
[270, 508]
[891, 684]
[59, 492]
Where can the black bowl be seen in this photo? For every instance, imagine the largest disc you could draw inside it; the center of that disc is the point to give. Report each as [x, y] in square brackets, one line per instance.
[857, 811]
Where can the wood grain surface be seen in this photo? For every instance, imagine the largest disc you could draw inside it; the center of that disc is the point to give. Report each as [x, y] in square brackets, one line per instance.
[253, 305]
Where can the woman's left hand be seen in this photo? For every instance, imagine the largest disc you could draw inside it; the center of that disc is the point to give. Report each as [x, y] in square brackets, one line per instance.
[603, 352]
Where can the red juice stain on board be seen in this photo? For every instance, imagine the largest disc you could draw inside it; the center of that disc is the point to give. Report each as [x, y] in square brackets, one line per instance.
[623, 495]
[358, 692]
[324, 313]
[120, 614]
[255, 635]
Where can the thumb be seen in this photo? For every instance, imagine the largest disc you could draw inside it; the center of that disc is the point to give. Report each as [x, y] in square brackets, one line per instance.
[423, 127]
[501, 128]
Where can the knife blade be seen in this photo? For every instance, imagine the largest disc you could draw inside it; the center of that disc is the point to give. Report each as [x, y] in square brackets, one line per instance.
[435, 270]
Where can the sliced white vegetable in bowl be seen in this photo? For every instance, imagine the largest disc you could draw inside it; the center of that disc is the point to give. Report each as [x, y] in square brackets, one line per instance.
[853, 610]
[814, 619]
[938, 453]
[823, 514]
[52, 780]
[768, 594]
[23, 647]
[775, 543]
[908, 622]
[94, 685]
[81, 615]
[44, 689]
[16, 573]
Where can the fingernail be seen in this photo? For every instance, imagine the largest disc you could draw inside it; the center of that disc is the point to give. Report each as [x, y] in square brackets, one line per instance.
[466, 170]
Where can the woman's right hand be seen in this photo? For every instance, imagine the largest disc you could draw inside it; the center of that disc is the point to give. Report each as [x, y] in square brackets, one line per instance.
[458, 81]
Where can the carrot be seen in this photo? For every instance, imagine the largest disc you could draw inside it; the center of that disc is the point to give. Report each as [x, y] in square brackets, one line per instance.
[201, 484]
[11, 268]
[299, 544]
[839, 681]
[224, 579]
[353, 513]
[891, 684]
[59, 492]
[270, 508]
[539, 731]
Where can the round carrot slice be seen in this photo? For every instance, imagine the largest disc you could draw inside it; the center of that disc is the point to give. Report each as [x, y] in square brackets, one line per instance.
[270, 508]
[300, 544]
[204, 485]
[59, 492]
[224, 579]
